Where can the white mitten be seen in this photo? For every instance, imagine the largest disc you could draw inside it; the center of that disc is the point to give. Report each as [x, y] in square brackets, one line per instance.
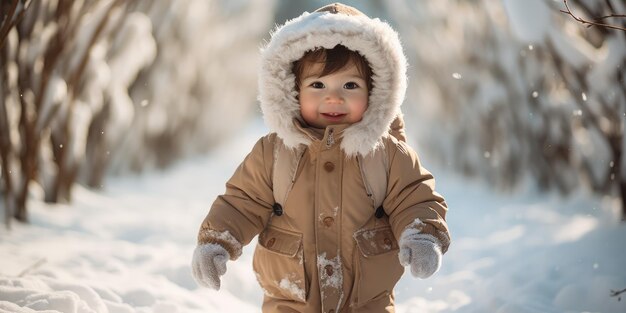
[208, 264]
[420, 251]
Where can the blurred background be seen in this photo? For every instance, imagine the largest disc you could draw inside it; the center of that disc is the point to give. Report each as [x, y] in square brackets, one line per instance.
[516, 94]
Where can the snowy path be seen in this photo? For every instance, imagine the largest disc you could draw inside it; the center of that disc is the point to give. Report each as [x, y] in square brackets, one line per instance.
[128, 249]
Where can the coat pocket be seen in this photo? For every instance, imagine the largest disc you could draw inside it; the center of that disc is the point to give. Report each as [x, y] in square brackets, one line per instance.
[377, 266]
[279, 265]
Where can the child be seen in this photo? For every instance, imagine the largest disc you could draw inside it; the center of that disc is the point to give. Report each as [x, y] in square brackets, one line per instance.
[331, 86]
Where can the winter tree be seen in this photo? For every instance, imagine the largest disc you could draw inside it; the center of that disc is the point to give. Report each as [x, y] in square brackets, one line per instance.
[90, 87]
[517, 90]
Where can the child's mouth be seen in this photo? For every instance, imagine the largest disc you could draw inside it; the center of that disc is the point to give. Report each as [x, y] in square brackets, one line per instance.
[334, 117]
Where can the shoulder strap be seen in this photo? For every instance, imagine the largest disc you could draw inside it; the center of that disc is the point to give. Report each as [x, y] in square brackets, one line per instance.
[286, 162]
[374, 170]
[374, 167]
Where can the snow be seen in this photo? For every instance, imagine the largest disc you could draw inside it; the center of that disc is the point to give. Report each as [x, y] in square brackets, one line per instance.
[128, 249]
[224, 236]
[54, 95]
[573, 49]
[529, 20]
[608, 64]
[412, 229]
[334, 281]
[292, 287]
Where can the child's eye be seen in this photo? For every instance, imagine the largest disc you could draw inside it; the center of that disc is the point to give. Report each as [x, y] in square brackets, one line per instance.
[317, 85]
[351, 85]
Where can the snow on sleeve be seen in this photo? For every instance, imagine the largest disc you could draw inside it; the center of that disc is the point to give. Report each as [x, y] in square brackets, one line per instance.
[224, 238]
[412, 229]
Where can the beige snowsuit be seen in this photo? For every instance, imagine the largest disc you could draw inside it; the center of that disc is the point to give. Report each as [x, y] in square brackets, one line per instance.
[327, 251]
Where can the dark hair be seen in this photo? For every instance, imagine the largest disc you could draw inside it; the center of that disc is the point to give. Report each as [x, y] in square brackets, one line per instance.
[334, 60]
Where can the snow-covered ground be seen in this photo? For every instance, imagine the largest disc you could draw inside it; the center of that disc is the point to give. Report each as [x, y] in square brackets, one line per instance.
[128, 249]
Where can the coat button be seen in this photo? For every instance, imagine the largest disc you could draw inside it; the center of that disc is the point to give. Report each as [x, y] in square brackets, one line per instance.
[380, 212]
[328, 221]
[270, 242]
[387, 241]
[278, 209]
[329, 166]
[329, 270]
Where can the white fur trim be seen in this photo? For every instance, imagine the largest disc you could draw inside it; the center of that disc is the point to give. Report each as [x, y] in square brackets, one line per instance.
[372, 38]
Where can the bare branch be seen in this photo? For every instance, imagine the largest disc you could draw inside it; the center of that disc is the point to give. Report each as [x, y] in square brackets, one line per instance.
[610, 16]
[32, 267]
[8, 21]
[616, 293]
[594, 23]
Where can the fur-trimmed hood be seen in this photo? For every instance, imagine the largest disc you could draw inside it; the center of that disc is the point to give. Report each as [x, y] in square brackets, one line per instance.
[327, 27]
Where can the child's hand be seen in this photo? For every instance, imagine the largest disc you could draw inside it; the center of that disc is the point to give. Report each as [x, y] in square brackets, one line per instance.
[209, 263]
[420, 251]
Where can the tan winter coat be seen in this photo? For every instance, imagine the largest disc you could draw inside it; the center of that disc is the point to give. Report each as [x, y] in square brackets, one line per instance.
[328, 252]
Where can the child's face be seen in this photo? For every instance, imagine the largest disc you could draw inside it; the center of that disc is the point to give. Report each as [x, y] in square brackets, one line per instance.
[337, 98]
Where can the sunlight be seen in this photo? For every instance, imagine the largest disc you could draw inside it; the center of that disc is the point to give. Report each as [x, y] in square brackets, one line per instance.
[573, 230]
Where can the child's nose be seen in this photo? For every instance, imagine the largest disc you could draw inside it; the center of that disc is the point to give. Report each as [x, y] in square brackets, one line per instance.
[334, 96]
